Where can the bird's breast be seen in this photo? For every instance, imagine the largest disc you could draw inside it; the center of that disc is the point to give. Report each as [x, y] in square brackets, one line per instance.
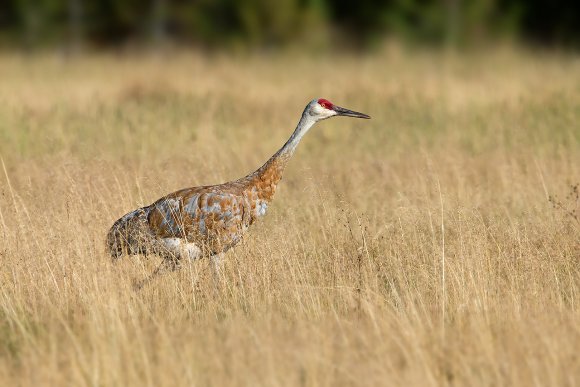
[260, 207]
[259, 200]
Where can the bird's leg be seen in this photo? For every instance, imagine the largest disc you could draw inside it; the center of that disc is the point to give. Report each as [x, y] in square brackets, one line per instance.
[215, 268]
[168, 264]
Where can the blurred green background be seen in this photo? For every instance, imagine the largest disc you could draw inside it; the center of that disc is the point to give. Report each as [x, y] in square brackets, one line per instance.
[264, 24]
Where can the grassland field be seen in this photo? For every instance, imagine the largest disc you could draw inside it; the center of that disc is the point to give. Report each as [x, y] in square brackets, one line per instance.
[437, 244]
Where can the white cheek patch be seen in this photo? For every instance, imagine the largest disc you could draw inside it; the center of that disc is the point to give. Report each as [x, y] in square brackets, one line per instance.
[322, 113]
[318, 109]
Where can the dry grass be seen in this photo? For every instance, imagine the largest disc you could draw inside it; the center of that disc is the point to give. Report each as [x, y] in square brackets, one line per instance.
[418, 248]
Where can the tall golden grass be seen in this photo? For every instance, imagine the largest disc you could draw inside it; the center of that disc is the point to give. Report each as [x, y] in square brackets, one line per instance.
[419, 248]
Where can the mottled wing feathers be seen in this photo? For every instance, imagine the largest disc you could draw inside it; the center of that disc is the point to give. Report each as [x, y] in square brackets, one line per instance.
[212, 219]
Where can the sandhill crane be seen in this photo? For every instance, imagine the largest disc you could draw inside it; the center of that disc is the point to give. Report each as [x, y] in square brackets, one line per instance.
[207, 221]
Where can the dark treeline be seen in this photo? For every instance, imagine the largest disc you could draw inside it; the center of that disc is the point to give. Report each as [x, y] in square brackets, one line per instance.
[264, 23]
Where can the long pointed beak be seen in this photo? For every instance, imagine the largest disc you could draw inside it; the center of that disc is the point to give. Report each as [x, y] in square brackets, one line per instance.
[349, 113]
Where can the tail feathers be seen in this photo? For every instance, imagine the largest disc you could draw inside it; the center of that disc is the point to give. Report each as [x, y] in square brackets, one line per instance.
[129, 235]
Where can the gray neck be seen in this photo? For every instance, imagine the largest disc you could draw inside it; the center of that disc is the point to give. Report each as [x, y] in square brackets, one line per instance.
[279, 160]
[304, 125]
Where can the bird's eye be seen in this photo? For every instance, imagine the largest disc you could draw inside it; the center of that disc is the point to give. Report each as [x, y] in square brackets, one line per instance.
[325, 103]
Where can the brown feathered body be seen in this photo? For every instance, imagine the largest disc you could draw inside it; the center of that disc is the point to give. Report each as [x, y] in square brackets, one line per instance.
[198, 221]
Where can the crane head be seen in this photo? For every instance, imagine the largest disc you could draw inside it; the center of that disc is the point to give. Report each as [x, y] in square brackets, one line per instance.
[321, 109]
